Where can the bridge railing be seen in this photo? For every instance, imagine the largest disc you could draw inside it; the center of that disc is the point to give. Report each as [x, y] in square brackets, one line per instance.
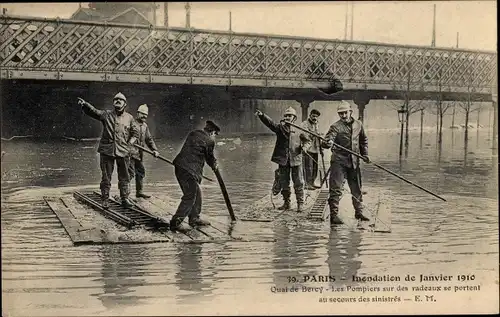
[65, 45]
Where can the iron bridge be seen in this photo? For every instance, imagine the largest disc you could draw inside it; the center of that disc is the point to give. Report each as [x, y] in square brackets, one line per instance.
[55, 49]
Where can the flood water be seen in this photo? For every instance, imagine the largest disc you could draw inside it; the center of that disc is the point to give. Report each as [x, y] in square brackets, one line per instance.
[43, 274]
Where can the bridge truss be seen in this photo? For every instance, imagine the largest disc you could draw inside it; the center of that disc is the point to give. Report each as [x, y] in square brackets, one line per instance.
[54, 49]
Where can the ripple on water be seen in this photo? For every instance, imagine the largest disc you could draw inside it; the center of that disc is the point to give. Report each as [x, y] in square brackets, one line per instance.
[41, 269]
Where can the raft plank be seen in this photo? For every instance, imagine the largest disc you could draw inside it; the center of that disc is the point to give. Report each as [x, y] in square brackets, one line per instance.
[263, 210]
[212, 231]
[157, 211]
[77, 233]
[96, 236]
[319, 210]
[219, 230]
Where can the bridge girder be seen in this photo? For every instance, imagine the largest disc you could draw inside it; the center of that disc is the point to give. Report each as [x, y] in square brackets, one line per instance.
[54, 49]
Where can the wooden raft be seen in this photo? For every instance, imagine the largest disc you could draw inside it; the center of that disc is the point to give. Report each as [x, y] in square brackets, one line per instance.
[78, 233]
[264, 211]
[377, 205]
[69, 212]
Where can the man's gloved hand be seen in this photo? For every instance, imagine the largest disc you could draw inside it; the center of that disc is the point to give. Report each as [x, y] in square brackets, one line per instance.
[131, 146]
[156, 154]
[366, 159]
[328, 144]
[216, 167]
[258, 113]
[81, 102]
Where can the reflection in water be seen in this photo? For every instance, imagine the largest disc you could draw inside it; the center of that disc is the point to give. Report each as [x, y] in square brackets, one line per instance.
[343, 251]
[39, 266]
[295, 244]
[477, 138]
[439, 155]
[452, 137]
[190, 277]
[122, 269]
[466, 152]
[494, 164]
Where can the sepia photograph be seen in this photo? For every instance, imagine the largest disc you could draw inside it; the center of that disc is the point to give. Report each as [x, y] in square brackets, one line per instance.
[249, 158]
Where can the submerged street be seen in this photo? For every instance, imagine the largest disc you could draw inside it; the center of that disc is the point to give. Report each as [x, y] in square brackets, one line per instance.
[44, 274]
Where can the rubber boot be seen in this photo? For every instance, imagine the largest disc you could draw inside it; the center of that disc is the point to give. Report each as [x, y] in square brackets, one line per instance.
[105, 198]
[359, 215]
[358, 207]
[138, 190]
[286, 201]
[105, 203]
[300, 206]
[124, 193]
[299, 194]
[334, 210]
[300, 201]
[176, 225]
[286, 204]
[197, 222]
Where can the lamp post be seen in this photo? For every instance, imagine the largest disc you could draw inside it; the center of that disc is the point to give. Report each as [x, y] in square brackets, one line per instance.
[188, 14]
[402, 119]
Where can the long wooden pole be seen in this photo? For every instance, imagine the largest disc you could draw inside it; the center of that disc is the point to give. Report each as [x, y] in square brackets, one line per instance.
[164, 159]
[375, 164]
[323, 162]
[225, 194]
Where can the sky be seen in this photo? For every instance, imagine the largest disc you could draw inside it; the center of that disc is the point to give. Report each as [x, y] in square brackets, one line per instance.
[394, 22]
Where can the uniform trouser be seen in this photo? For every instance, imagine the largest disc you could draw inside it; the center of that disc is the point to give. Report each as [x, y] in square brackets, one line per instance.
[136, 169]
[339, 173]
[190, 204]
[310, 161]
[107, 164]
[298, 182]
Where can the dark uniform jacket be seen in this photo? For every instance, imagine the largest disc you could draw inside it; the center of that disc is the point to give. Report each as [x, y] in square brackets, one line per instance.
[117, 130]
[198, 148]
[289, 142]
[144, 139]
[351, 136]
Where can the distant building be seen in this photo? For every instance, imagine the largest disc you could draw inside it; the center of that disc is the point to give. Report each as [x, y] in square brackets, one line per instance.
[118, 12]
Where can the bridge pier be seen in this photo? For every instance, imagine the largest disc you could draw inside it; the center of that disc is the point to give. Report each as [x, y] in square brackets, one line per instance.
[304, 105]
[361, 101]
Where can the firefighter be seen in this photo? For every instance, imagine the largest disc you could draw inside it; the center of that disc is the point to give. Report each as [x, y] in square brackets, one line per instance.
[119, 133]
[348, 133]
[311, 156]
[288, 155]
[136, 167]
[198, 148]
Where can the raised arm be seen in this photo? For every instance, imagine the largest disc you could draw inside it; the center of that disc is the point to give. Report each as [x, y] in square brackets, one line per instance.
[267, 121]
[90, 110]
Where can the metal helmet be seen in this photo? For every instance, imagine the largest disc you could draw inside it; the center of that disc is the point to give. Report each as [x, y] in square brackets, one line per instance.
[143, 109]
[291, 111]
[120, 96]
[344, 106]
